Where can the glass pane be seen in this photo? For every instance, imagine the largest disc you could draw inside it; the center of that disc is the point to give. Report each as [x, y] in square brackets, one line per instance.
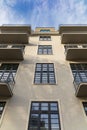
[33, 128]
[44, 120]
[35, 108]
[54, 121]
[35, 104]
[53, 104]
[44, 108]
[44, 126]
[53, 108]
[54, 116]
[44, 115]
[54, 125]
[34, 115]
[44, 104]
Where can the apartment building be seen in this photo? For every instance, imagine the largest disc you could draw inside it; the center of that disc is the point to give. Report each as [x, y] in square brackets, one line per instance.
[43, 77]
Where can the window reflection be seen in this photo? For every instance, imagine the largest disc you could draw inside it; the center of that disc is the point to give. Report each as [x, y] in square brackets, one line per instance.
[44, 116]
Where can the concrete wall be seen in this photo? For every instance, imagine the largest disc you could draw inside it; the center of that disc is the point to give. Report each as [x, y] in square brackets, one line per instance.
[16, 113]
[45, 28]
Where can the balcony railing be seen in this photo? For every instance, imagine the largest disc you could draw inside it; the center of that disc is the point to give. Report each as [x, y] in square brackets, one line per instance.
[6, 83]
[80, 83]
[76, 52]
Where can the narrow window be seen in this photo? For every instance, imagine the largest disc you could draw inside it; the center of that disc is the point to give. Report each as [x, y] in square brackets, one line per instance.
[85, 107]
[44, 116]
[2, 105]
[44, 73]
[45, 49]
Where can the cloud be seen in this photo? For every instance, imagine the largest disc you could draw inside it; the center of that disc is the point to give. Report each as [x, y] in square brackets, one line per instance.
[7, 14]
[43, 12]
[56, 12]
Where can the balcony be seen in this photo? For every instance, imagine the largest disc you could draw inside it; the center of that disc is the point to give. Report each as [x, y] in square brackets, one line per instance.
[6, 84]
[80, 83]
[16, 28]
[65, 28]
[76, 52]
[75, 38]
[14, 53]
[13, 38]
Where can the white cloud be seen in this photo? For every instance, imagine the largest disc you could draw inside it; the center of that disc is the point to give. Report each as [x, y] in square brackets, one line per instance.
[7, 14]
[44, 12]
[55, 12]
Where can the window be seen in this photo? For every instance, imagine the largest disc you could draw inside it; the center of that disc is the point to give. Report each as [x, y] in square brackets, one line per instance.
[8, 72]
[70, 46]
[3, 46]
[44, 73]
[45, 30]
[19, 46]
[45, 49]
[44, 116]
[2, 105]
[45, 38]
[79, 72]
[85, 107]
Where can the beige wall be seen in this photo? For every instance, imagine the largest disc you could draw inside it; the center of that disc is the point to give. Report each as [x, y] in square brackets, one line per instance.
[16, 114]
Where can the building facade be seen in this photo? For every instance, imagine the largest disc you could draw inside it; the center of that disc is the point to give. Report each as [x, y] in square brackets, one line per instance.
[43, 78]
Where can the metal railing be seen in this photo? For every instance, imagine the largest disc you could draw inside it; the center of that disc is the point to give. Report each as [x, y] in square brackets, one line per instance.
[78, 79]
[7, 77]
[71, 46]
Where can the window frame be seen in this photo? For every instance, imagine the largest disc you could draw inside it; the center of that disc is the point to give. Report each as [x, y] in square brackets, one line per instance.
[48, 112]
[44, 38]
[49, 75]
[46, 48]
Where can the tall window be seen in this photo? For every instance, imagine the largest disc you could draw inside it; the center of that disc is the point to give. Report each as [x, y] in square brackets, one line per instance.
[44, 73]
[2, 105]
[45, 38]
[79, 72]
[85, 107]
[44, 116]
[45, 49]
[8, 72]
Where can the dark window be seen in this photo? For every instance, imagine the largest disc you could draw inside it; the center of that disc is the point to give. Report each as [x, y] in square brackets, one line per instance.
[44, 73]
[3, 46]
[45, 30]
[44, 116]
[19, 46]
[84, 46]
[8, 72]
[79, 72]
[85, 107]
[45, 38]
[45, 49]
[70, 46]
[2, 105]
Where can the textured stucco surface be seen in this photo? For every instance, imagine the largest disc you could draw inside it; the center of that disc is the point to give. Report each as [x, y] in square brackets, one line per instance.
[16, 114]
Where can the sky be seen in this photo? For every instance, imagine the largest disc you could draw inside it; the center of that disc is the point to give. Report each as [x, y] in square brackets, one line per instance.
[43, 13]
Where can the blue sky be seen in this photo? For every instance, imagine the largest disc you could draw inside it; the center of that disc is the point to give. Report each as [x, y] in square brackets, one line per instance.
[43, 12]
